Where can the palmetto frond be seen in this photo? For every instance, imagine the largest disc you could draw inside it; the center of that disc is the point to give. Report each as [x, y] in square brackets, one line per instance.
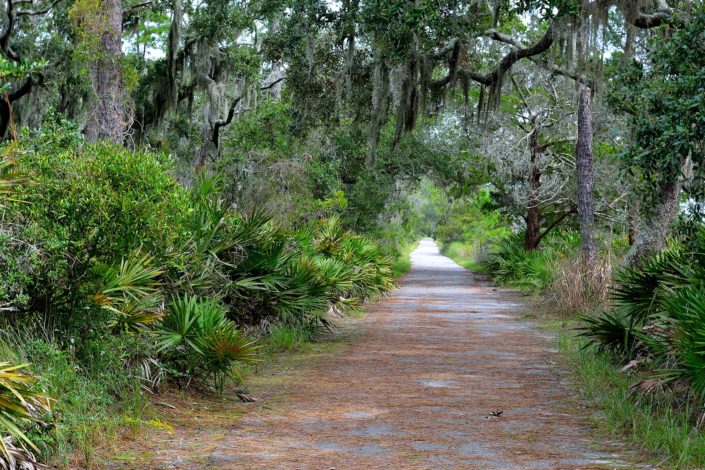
[133, 279]
[19, 403]
[221, 348]
[642, 290]
[132, 315]
[9, 181]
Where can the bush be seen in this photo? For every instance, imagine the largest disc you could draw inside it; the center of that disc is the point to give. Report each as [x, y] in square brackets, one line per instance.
[86, 206]
[532, 271]
[659, 316]
[107, 238]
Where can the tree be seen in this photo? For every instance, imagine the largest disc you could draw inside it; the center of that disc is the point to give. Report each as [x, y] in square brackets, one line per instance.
[584, 164]
[100, 29]
[527, 148]
[664, 101]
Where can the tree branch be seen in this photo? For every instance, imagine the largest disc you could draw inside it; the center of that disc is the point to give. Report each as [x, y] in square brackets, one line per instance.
[135, 7]
[222, 123]
[573, 210]
[267, 87]
[507, 61]
[41, 11]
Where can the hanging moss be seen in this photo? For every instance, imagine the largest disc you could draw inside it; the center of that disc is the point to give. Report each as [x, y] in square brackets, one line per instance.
[380, 92]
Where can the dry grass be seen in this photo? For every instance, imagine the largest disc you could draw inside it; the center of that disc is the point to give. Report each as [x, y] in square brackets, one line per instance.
[576, 291]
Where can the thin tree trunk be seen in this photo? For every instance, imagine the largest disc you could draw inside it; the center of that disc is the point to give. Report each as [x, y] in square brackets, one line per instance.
[586, 196]
[532, 237]
[657, 221]
[108, 112]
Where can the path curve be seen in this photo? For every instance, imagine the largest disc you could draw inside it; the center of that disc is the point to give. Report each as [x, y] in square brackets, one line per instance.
[415, 391]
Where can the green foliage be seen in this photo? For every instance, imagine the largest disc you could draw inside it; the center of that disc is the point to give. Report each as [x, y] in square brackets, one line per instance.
[285, 339]
[472, 221]
[197, 337]
[679, 344]
[659, 312]
[642, 290]
[663, 97]
[611, 331]
[19, 404]
[86, 209]
[530, 271]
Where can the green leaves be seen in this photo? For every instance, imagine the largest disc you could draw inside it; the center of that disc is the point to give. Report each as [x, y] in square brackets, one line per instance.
[198, 332]
[128, 290]
[19, 404]
[663, 99]
[11, 70]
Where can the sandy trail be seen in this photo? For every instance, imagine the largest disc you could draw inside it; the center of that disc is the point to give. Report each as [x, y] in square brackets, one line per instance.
[414, 393]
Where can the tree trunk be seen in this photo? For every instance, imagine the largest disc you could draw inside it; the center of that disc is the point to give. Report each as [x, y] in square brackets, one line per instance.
[656, 223]
[586, 196]
[532, 237]
[107, 110]
[533, 232]
[173, 44]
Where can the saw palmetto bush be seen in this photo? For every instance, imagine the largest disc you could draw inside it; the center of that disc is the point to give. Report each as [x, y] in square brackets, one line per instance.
[658, 316]
[20, 404]
[510, 265]
[199, 341]
[641, 291]
[129, 291]
[638, 299]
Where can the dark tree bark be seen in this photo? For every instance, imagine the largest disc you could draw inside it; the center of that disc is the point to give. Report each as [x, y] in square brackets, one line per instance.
[586, 195]
[107, 108]
[532, 237]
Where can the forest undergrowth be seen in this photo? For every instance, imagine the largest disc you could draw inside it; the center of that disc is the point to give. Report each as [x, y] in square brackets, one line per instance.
[124, 283]
[630, 338]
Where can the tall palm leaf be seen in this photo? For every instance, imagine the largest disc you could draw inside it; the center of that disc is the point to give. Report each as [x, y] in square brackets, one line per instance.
[19, 404]
[9, 181]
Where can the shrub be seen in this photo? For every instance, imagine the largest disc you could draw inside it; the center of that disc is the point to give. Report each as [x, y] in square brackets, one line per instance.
[19, 404]
[201, 342]
[85, 207]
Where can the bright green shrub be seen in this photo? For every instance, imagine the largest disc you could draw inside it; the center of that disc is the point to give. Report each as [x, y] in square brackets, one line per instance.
[511, 265]
[86, 205]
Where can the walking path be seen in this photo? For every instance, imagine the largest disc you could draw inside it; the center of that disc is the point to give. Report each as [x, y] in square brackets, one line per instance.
[415, 392]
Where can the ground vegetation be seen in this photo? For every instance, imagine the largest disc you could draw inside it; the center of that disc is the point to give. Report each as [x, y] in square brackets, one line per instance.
[182, 183]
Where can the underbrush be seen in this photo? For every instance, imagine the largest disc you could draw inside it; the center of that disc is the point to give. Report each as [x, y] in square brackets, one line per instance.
[663, 427]
[121, 281]
[469, 256]
[402, 261]
[554, 271]
[285, 339]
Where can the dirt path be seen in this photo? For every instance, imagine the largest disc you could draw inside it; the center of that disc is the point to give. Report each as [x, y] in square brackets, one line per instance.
[413, 392]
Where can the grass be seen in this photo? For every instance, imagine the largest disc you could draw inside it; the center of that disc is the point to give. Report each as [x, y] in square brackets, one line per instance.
[402, 263]
[285, 339]
[464, 254]
[662, 427]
